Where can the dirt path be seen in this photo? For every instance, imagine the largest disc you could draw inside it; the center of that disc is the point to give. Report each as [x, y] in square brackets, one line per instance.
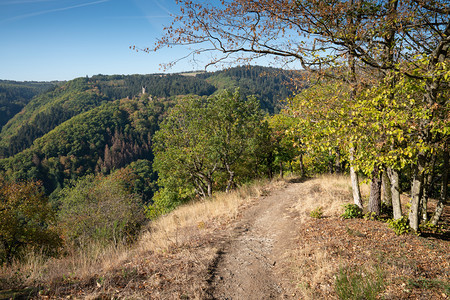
[251, 264]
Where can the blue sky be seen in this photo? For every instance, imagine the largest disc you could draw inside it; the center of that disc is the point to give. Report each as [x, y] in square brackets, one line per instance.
[46, 40]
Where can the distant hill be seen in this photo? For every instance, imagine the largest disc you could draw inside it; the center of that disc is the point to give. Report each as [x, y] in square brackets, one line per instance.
[15, 95]
[47, 110]
[107, 137]
[269, 85]
[102, 123]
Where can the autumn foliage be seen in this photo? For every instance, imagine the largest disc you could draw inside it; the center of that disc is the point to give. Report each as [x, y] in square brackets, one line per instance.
[26, 220]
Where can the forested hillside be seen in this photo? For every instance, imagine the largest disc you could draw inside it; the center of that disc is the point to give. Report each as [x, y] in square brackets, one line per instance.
[15, 95]
[48, 110]
[269, 85]
[107, 137]
[84, 166]
[70, 144]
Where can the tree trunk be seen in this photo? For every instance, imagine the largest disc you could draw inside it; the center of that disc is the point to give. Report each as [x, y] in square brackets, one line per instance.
[338, 164]
[281, 169]
[230, 179]
[199, 189]
[375, 192]
[354, 179]
[395, 193]
[427, 182]
[387, 194]
[443, 197]
[302, 168]
[330, 162]
[209, 188]
[416, 192]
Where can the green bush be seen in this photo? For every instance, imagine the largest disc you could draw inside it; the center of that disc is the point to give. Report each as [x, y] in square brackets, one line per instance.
[400, 226]
[371, 216]
[317, 213]
[164, 201]
[359, 284]
[26, 220]
[428, 226]
[100, 208]
[352, 211]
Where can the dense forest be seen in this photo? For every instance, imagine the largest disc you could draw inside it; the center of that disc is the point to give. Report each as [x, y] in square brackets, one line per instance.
[15, 95]
[48, 110]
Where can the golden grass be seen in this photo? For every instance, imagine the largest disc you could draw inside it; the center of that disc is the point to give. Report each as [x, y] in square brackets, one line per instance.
[165, 231]
[314, 266]
[84, 263]
[330, 192]
[311, 265]
[95, 259]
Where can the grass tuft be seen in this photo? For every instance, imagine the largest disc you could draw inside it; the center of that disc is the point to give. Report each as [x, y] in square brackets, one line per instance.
[359, 284]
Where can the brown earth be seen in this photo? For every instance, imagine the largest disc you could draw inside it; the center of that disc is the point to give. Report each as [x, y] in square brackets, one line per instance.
[249, 264]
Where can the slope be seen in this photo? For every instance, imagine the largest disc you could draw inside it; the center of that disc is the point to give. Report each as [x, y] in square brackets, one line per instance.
[46, 111]
[106, 137]
[270, 85]
[15, 95]
[259, 242]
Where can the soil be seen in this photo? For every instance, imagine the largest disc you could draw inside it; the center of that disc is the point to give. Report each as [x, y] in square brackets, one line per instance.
[248, 265]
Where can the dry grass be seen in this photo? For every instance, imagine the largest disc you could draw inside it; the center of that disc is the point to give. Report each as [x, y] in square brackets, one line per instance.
[35, 269]
[173, 257]
[313, 265]
[328, 244]
[164, 233]
[94, 263]
[330, 192]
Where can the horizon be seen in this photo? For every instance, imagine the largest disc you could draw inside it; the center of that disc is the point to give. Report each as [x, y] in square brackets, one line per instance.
[100, 74]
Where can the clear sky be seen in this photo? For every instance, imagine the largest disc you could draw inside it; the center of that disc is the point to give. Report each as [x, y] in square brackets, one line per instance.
[46, 40]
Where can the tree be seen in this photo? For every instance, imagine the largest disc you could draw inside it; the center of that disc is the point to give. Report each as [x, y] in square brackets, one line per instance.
[377, 38]
[26, 220]
[180, 149]
[202, 143]
[100, 208]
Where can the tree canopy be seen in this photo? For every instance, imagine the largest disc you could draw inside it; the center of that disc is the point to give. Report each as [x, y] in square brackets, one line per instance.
[203, 144]
[392, 59]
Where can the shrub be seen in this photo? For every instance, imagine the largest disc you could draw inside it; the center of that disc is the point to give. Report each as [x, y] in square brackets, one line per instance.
[428, 226]
[316, 213]
[352, 211]
[359, 284]
[371, 216]
[400, 226]
[100, 208]
[26, 220]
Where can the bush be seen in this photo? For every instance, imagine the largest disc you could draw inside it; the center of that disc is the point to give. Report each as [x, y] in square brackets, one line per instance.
[26, 220]
[428, 226]
[352, 211]
[371, 216]
[400, 226]
[316, 213]
[100, 208]
[359, 284]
